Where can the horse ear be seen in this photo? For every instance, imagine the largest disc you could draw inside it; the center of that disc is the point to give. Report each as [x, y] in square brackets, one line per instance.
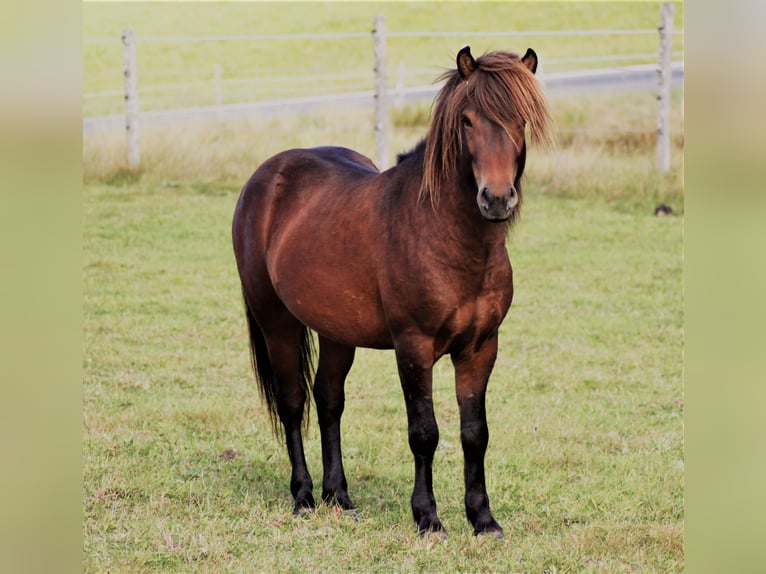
[530, 60]
[465, 63]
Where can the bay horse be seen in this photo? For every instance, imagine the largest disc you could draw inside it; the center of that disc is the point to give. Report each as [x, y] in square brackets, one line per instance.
[412, 258]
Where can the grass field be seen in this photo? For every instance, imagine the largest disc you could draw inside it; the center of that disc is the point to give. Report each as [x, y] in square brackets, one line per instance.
[585, 464]
[256, 69]
[181, 473]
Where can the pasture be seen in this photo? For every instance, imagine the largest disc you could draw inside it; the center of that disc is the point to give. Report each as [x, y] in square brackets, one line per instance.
[273, 68]
[585, 406]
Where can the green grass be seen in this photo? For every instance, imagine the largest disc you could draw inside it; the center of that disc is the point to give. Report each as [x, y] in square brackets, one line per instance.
[181, 473]
[585, 464]
[165, 63]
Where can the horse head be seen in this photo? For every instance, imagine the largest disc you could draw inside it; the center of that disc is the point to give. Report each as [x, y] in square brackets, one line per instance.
[480, 119]
[497, 152]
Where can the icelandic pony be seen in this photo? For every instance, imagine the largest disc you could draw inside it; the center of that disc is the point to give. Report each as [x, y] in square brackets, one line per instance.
[412, 258]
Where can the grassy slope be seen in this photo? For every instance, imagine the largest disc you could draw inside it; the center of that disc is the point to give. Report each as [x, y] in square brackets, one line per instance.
[168, 63]
[585, 463]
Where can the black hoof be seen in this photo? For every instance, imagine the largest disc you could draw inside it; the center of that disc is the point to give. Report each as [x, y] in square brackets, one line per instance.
[304, 505]
[431, 528]
[494, 533]
[338, 499]
[489, 528]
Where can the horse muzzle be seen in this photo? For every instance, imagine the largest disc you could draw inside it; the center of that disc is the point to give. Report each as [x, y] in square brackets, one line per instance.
[497, 207]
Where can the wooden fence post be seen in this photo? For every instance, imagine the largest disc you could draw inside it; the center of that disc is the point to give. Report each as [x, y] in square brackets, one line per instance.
[381, 93]
[131, 97]
[665, 74]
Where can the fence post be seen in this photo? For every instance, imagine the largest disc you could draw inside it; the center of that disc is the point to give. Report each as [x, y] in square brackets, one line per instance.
[131, 97]
[665, 74]
[381, 92]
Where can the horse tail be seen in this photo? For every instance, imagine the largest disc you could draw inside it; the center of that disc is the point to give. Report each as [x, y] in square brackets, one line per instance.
[264, 373]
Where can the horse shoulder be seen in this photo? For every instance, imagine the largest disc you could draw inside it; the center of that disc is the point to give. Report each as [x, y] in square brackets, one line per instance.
[490, 304]
[495, 299]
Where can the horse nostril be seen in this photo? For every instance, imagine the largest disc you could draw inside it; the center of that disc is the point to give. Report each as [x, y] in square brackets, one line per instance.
[486, 195]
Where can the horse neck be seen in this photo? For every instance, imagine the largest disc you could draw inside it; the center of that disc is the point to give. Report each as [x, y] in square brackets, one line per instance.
[458, 212]
[451, 224]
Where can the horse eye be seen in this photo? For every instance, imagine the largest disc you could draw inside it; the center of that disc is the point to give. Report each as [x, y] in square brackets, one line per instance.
[466, 122]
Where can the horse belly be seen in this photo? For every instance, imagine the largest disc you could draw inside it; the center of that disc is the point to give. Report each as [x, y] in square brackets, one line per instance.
[329, 287]
[335, 307]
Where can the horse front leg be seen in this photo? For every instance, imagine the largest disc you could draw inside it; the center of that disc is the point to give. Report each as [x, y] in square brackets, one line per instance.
[472, 370]
[415, 373]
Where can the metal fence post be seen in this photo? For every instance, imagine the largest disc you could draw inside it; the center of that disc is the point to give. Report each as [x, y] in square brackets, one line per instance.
[665, 74]
[381, 92]
[131, 97]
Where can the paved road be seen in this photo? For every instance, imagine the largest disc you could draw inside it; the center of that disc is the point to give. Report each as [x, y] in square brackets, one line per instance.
[629, 78]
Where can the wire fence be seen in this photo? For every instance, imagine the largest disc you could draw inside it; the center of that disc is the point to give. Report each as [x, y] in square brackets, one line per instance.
[332, 66]
[212, 81]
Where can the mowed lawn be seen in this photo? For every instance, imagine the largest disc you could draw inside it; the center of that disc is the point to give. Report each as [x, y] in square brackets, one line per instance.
[181, 472]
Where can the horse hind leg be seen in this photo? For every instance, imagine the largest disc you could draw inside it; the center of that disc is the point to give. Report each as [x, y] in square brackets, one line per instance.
[335, 361]
[282, 360]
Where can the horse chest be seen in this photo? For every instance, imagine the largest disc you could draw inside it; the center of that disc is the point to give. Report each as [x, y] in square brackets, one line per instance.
[460, 310]
[480, 313]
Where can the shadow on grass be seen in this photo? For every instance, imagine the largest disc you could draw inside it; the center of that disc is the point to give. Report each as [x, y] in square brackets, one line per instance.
[264, 485]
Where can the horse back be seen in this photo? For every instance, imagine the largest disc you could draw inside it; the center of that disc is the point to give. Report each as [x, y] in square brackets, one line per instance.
[305, 171]
[286, 186]
[305, 230]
